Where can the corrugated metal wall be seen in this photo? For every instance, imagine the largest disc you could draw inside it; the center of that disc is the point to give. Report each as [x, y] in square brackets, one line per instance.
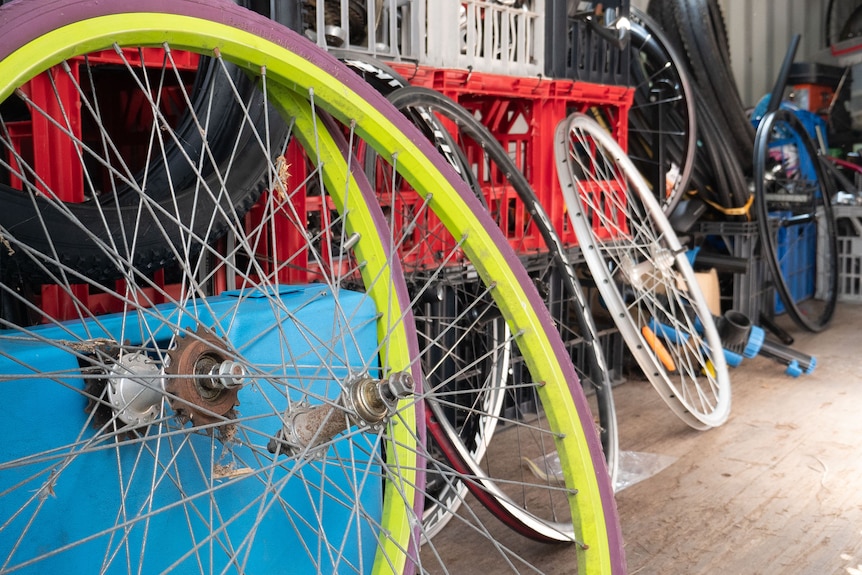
[759, 32]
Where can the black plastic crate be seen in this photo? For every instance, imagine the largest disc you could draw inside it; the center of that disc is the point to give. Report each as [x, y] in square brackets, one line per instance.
[574, 50]
[750, 292]
[815, 73]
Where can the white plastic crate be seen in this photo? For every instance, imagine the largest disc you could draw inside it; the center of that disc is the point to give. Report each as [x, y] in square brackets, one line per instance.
[388, 29]
[494, 36]
[849, 224]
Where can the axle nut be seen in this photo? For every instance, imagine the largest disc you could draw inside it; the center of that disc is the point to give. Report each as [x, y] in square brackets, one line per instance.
[401, 384]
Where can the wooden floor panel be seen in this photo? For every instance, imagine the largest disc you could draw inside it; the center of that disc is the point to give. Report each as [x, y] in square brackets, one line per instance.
[777, 489]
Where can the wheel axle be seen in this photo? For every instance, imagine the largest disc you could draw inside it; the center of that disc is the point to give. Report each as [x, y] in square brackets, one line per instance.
[365, 402]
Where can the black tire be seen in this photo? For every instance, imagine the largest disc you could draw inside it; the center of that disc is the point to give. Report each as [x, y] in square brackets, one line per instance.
[794, 215]
[81, 249]
[710, 68]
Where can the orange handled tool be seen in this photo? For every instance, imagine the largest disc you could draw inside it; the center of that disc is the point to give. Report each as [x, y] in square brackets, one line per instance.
[658, 347]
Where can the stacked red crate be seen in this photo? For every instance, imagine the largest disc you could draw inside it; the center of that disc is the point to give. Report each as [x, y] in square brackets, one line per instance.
[523, 113]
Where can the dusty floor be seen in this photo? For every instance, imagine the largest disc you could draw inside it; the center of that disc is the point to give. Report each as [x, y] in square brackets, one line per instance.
[777, 489]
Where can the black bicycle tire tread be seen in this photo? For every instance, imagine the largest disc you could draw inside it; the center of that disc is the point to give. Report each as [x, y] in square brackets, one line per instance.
[719, 37]
[697, 64]
[715, 81]
[85, 256]
[720, 77]
[719, 30]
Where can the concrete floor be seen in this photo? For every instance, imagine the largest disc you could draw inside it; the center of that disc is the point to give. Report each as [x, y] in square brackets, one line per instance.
[777, 489]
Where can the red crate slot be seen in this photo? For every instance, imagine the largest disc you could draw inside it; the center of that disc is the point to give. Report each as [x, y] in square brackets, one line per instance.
[610, 199]
[49, 140]
[55, 153]
[151, 57]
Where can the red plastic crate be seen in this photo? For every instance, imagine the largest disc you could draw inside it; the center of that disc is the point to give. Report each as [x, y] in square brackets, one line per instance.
[46, 146]
[523, 113]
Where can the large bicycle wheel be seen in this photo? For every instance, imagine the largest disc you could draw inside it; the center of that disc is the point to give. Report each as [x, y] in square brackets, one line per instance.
[479, 158]
[643, 274]
[793, 198]
[494, 176]
[222, 399]
[207, 522]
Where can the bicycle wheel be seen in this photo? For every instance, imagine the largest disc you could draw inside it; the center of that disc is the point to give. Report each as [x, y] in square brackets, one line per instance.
[299, 82]
[793, 199]
[495, 177]
[520, 478]
[643, 274]
[662, 119]
[202, 328]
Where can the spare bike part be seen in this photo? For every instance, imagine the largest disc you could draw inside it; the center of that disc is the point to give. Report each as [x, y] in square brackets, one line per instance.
[793, 199]
[642, 272]
[494, 176]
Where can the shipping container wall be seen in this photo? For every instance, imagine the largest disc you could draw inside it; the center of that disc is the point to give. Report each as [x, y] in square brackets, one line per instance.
[760, 32]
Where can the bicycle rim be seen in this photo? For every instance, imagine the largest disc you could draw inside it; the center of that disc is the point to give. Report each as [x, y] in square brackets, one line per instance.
[795, 223]
[642, 273]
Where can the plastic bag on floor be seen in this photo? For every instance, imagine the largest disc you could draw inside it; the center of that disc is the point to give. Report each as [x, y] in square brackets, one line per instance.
[633, 467]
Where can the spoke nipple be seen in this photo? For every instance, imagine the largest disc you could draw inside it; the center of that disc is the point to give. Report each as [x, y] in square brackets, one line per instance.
[351, 241]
